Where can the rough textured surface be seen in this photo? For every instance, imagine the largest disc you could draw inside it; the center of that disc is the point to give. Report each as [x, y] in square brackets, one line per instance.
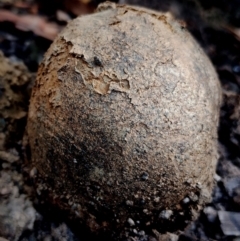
[12, 76]
[123, 116]
[17, 214]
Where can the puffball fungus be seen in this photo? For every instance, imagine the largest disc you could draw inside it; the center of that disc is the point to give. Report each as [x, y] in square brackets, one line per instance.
[123, 116]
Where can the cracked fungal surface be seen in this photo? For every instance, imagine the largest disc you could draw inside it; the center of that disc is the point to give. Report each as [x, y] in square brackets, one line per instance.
[124, 110]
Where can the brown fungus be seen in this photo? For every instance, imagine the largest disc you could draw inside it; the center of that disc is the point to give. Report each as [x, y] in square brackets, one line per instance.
[124, 110]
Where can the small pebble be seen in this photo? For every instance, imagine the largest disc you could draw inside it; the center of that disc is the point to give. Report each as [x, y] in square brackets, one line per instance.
[210, 213]
[145, 211]
[189, 181]
[217, 178]
[129, 203]
[135, 231]
[6, 165]
[231, 184]
[186, 200]
[168, 237]
[74, 160]
[144, 176]
[199, 185]
[9, 156]
[141, 233]
[5, 191]
[130, 222]
[166, 214]
[193, 197]
[33, 172]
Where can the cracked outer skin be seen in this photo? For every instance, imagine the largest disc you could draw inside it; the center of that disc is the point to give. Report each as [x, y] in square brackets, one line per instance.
[125, 108]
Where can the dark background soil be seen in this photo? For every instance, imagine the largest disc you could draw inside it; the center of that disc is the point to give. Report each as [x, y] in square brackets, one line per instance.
[27, 28]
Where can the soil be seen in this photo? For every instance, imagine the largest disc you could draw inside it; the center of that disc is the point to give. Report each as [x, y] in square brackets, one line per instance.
[25, 216]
